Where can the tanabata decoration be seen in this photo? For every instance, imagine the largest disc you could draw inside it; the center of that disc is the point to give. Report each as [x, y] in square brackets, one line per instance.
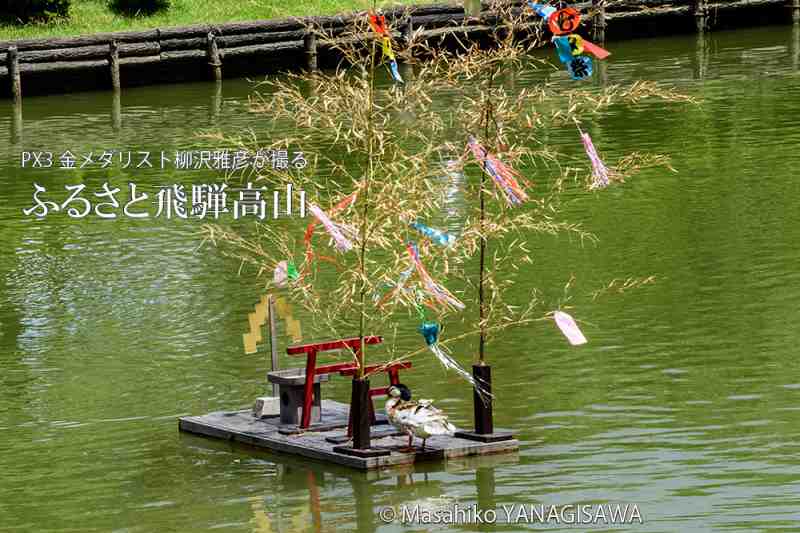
[398, 286]
[596, 51]
[284, 271]
[436, 291]
[575, 44]
[280, 275]
[579, 67]
[378, 24]
[543, 10]
[502, 175]
[342, 234]
[346, 202]
[600, 173]
[569, 46]
[563, 49]
[437, 236]
[430, 331]
[569, 328]
[389, 53]
[564, 21]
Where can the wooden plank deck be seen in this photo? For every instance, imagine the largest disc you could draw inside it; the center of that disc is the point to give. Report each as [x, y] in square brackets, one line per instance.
[242, 426]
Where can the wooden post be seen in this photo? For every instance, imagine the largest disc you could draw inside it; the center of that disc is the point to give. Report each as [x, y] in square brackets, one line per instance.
[701, 15]
[795, 11]
[408, 30]
[310, 45]
[12, 62]
[599, 21]
[212, 54]
[113, 64]
[273, 340]
[407, 68]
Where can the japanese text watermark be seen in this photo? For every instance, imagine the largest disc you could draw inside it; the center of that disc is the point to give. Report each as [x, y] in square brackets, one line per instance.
[222, 160]
[173, 201]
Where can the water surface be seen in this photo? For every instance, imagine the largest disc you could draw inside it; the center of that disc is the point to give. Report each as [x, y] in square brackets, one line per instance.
[685, 402]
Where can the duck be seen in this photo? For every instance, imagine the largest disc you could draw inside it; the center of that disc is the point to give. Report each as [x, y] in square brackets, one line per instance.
[415, 418]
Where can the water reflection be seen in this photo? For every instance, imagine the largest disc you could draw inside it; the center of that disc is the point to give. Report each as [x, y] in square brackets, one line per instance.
[216, 102]
[16, 124]
[311, 496]
[116, 111]
[701, 56]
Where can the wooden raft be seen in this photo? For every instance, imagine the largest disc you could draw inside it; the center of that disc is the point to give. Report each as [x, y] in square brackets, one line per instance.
[243, 427]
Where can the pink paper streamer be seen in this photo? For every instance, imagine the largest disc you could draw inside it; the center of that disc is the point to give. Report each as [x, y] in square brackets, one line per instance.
[569, 328]
[281, 274]
[438, 292]
[599, 170]
[596, 51]
[501, 174]
[340, 233]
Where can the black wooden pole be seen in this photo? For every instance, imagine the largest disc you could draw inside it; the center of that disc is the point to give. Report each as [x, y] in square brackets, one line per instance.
[484, 420]
[360, 418]
[482, 406]
[359, 399]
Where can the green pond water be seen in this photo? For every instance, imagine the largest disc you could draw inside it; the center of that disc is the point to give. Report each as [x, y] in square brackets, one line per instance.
[685, 402]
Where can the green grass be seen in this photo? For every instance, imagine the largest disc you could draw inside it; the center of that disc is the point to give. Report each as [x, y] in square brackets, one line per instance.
[93, 16]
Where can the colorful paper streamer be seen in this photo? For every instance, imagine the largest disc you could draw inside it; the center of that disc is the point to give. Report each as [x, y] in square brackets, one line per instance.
[502, 175]
[600, 174]
[437, 236]
[341, 234]
[439, 293]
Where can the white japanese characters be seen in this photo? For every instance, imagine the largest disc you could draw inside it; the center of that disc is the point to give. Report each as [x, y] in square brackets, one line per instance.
[173, 201]
[222, 160]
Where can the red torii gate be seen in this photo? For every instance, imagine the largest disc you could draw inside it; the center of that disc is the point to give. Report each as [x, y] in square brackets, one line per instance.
[346, 369]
